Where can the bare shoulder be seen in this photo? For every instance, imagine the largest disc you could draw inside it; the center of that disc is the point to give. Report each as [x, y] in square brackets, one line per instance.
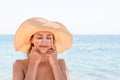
[63, 67]
[62, 63]
[21, 63]
[18, 69]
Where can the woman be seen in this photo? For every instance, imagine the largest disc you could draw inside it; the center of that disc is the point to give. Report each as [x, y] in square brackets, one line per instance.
[41, 40]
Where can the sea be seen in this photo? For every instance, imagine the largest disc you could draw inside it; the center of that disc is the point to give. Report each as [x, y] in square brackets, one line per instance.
[91, 57]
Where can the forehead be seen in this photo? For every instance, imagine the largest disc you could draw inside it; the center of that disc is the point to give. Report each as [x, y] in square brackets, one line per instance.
[41, 33]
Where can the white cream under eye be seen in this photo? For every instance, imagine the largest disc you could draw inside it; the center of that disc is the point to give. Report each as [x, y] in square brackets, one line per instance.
[43, 39]
[49, 40]
[38, 40]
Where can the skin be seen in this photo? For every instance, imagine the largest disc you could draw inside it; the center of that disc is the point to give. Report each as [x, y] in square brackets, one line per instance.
[42, 63]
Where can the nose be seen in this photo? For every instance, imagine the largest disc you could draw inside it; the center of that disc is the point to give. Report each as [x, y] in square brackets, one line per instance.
[44, 40]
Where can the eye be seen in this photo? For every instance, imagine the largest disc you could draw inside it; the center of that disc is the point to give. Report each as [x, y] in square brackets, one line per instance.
[49, 39]
[39, 39]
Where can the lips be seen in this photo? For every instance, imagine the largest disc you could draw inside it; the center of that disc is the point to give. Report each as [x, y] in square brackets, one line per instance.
[43, 46]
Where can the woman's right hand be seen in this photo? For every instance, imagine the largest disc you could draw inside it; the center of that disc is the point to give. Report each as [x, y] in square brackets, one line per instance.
[35, 56]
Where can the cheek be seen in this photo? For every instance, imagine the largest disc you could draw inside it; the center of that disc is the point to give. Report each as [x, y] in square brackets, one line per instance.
[35, 43]
[50, 45]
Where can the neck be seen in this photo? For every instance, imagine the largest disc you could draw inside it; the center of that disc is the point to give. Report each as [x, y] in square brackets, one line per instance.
[44, 58]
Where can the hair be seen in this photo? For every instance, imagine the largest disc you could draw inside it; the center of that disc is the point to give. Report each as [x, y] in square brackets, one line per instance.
[29, 50]
[31, 45]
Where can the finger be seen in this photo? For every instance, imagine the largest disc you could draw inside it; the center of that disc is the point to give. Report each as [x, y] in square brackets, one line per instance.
[54, 49]
[53, 46]
[50, 51]
[34, 48]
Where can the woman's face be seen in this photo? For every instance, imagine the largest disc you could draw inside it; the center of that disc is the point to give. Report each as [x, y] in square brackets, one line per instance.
[43, 41]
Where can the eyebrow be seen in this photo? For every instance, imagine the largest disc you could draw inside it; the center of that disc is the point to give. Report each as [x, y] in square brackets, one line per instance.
[42, 35]
[49, 34]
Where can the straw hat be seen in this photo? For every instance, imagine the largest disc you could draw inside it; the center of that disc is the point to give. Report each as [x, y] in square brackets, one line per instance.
[29, 27]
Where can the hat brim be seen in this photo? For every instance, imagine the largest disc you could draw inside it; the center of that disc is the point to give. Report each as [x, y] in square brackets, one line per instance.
[63, 38]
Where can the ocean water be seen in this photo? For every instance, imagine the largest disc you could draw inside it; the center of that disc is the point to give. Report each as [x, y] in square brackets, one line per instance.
[91, 57]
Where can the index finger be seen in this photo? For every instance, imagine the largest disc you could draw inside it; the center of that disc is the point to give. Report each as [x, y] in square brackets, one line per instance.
[53, 46]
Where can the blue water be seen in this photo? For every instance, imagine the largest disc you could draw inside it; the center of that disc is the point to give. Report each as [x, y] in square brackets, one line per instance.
[92, 57]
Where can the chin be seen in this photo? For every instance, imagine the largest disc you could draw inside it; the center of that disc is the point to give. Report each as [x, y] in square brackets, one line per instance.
[43, 50]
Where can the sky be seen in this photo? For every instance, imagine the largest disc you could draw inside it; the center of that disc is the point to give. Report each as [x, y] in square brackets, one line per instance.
[79, 16]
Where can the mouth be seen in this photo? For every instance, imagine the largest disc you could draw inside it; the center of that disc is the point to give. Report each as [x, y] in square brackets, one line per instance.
[44, 47]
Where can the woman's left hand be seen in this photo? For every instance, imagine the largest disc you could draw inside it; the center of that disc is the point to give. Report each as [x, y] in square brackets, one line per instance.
[52, 55]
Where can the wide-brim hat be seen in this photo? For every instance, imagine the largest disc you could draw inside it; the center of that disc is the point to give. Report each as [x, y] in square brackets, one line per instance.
[63, 38]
